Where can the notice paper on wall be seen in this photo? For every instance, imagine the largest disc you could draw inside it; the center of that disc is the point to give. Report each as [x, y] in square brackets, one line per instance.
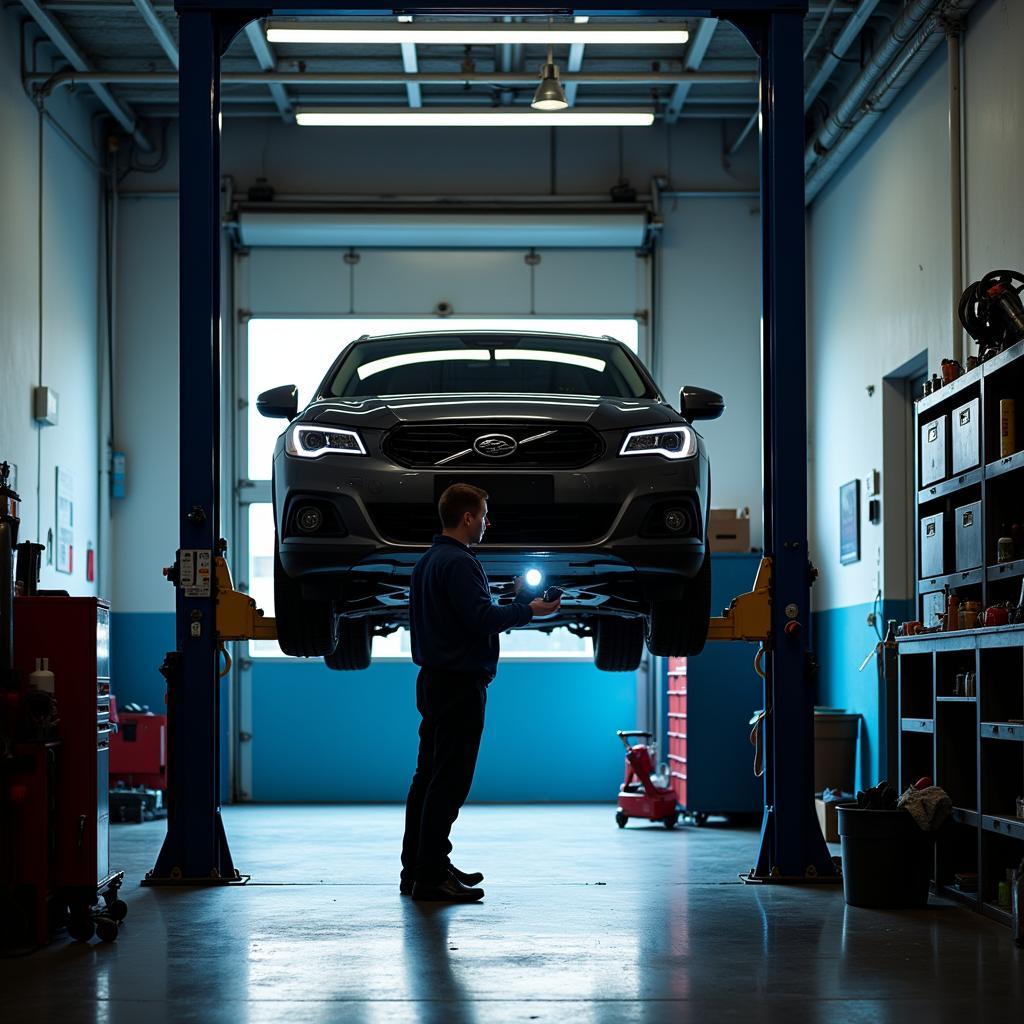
[65, 521]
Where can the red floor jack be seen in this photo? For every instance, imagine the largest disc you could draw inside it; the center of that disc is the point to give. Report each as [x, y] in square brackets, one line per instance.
[640, 795]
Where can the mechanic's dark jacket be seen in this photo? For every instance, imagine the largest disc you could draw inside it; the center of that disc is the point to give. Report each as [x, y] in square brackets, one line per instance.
[454, 622]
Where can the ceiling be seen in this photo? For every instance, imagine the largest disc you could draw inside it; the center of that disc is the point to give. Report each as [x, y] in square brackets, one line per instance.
[140, 37]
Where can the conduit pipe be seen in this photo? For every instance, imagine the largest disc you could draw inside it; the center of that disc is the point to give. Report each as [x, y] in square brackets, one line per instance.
[851, 30]
[846, 132]
[955, 187]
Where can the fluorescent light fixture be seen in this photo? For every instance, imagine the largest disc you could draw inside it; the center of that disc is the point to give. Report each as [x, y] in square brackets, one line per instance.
[409, 358]
[355, 117]
[483, 34]
[541, 356]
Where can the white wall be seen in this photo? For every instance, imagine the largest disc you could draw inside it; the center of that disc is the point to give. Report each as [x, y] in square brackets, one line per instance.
[67, 345]
[880, 267]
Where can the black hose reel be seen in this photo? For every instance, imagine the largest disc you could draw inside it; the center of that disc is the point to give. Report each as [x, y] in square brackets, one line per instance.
[992, 312]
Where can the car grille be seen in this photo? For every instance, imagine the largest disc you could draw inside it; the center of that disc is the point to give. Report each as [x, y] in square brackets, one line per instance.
[425, 445]
[513, 524]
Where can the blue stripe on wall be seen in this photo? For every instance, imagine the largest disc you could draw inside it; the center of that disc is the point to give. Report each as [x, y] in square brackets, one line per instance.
[351, 737]
[842, 639]
[322, 736]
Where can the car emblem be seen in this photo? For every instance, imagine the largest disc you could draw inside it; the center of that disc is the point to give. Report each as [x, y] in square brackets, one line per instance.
[495, 446]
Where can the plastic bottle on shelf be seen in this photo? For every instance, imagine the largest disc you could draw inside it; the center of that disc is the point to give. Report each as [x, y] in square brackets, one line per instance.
[42, 679]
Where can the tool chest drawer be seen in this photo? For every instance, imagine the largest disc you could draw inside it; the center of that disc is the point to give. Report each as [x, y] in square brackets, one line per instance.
[966, 444]
[934, 451]
[933, 545]
[967, 525]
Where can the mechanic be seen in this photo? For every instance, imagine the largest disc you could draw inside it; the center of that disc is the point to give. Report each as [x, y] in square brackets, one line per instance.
[455, 626]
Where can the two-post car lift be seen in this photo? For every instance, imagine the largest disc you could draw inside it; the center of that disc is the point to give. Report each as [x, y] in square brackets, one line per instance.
[195, 850]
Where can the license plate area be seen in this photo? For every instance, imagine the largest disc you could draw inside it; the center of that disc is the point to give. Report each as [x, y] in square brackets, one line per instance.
[506, 489]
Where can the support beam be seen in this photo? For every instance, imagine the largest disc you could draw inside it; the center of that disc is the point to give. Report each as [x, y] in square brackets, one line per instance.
[573, 65]
[410, 64]
[157, 27]
[265, 58]
[694, 55]
[57, 35]
[792, 846]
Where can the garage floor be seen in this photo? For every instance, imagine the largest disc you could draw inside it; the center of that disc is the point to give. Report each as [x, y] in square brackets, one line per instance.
[582, 922]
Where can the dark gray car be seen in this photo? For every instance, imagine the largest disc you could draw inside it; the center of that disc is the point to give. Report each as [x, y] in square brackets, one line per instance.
[594, 479]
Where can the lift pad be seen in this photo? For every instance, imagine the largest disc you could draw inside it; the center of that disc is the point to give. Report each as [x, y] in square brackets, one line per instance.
[238, 618]
[749, 617]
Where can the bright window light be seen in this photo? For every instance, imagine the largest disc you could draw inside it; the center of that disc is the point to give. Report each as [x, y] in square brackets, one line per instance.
[482, 34]
[311, 345]
[540, 356]
[391, 362]
[340, 117]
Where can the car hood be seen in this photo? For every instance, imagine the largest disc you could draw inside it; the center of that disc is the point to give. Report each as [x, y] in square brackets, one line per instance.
[600, 413]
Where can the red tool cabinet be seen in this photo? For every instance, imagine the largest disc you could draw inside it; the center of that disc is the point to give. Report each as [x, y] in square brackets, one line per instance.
[74, 634]
[677, 726]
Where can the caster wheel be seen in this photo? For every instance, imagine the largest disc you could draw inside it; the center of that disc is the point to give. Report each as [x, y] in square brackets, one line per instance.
[80, 927]
[621, 818]
[106, 929]
[670, 821]
[117, 909]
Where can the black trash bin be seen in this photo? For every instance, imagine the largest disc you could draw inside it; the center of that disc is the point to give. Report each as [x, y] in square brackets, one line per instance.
[887, 858]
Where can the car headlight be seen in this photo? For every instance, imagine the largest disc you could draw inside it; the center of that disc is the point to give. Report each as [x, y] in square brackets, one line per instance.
[675, 443]
[309, 441]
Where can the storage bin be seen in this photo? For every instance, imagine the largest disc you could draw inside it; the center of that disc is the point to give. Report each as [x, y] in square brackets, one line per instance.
[933, 605]
[966, 443]
[835, 751]
[933, 545]
[934, 451]
[887, 859]
[967, 525]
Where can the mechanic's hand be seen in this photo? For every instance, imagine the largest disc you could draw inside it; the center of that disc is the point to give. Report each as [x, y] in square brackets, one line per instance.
[518, 584]
[540, 607]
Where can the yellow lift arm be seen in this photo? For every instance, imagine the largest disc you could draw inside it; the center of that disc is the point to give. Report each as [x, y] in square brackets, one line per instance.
[238, 618]
[749, 617]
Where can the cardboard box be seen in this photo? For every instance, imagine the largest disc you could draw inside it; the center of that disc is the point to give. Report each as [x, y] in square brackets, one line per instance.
[729, 529]
[828, 818]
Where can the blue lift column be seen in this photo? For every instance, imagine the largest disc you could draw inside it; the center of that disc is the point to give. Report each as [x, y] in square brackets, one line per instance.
[792, 847]
[195, 850]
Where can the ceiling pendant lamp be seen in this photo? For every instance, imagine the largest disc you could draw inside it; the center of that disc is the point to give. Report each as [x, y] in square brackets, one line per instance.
[549, 95]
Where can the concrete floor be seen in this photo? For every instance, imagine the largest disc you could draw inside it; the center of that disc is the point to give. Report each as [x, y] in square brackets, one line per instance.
[582, 922]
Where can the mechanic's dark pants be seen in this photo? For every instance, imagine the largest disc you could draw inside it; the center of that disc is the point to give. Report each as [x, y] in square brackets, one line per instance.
[452, 706]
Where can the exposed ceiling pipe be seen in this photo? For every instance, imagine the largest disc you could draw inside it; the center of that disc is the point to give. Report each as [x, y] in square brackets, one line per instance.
[94, 78]
[55, 32]
[905, 64]
[851, 30]
[845, 113]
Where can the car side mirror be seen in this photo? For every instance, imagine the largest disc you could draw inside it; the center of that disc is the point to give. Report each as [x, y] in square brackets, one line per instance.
[700, 404]
[279, 403]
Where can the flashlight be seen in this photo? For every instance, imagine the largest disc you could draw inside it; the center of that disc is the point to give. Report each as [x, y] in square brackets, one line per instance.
[533, 577]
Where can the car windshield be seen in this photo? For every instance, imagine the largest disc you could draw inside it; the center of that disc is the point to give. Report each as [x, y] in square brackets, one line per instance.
[487, 364]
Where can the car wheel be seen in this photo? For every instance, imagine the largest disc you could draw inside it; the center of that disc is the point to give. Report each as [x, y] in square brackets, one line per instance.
[677, 629]
[305, 629]
[355, 640]
[618, 644]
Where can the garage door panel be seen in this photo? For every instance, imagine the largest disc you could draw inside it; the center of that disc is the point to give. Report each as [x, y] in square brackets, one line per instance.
[415, 281]
[590, 282]
[306, 282]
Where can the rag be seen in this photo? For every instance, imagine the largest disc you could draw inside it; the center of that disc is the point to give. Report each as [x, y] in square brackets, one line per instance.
[929, 807]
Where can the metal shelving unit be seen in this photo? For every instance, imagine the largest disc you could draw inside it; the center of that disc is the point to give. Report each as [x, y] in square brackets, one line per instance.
[972, 746]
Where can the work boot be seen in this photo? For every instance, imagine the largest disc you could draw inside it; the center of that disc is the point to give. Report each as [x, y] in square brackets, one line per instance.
[449, 890]
[467, 878]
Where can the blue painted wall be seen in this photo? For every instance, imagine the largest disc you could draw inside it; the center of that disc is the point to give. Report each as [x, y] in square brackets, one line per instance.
[841, 639]
[325, 736]
[322, 736]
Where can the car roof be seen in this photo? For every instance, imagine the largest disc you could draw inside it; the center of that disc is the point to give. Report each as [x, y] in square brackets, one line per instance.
[497, 334]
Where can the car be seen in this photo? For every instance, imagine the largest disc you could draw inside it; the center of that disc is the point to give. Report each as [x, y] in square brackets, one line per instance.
[593, 478]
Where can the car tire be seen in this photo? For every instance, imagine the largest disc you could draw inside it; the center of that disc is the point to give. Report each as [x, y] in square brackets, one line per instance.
[618, 644]
[355, 641]
[679, 628]
[305, 628]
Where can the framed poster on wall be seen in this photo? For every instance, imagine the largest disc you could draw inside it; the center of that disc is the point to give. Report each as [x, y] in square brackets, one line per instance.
[849, 522]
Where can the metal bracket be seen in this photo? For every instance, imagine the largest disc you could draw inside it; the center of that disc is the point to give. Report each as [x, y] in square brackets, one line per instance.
[238, 618]
[749, 617]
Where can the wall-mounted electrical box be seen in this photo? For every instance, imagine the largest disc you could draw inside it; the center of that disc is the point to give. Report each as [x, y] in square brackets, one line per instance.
[45, 406]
